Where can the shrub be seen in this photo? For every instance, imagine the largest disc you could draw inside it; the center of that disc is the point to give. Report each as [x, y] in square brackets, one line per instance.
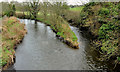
[9, 13]
[90, 4]
[118, 59]
[104, 11]
[105, 29]
[119, 6]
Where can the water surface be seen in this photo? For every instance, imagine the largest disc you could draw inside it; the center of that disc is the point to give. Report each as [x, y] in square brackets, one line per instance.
[41, 50]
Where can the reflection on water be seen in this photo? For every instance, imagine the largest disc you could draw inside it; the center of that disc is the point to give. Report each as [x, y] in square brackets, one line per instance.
[41, 50]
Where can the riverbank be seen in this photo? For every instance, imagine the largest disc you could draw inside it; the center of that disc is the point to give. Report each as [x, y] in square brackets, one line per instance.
[103, 23]
[59, 26]
[101, 20]
[12, 34]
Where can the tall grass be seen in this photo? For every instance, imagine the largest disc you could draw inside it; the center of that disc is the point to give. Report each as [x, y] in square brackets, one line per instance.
[12, 33]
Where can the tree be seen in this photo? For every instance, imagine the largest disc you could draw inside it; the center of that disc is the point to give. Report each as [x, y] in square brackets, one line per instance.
[59, 8]
[14, 9]
[34, 8]
[44, 9]
[11, 10]
[5, 7]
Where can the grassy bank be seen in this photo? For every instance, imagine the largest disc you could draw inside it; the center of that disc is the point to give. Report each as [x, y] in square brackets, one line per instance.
[59, 26]
[12, 34]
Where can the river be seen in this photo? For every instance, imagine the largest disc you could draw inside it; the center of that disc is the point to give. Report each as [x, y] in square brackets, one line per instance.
[42, 50]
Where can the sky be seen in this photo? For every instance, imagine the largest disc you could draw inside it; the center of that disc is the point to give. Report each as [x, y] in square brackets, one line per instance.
[70, 2]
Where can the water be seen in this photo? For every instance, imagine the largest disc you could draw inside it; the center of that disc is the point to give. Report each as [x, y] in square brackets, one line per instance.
[41, 50]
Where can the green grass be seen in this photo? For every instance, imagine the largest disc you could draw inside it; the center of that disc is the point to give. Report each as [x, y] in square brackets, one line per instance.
[77, 8]
[22, 12]
[39, 13]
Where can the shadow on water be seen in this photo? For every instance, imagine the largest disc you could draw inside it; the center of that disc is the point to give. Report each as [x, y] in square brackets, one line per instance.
[41, 50]
[93, 56]
[36, 26]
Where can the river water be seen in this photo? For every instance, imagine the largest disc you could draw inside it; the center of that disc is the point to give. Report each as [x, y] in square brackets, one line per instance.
[41, 50]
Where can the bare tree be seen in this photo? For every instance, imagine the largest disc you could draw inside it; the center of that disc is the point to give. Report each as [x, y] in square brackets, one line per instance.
[44, 9]
[34, 8]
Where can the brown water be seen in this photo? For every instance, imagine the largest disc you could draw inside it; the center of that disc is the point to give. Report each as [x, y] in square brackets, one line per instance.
[41, 50]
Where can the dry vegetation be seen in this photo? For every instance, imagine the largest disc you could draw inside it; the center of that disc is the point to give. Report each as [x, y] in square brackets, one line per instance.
[62, 29]
[12, 34]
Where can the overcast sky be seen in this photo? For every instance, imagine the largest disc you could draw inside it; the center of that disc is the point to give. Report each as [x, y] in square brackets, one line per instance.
[70, 2]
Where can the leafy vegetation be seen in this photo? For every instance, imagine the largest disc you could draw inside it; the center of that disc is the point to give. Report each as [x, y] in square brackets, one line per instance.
[104, 11]
[104, 23]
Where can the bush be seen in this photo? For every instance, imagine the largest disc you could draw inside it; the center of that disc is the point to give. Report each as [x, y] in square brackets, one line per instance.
[9, 13]
[90, 4]
[105, 29]
[118, 59]
[104, 11]
[119, 6]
